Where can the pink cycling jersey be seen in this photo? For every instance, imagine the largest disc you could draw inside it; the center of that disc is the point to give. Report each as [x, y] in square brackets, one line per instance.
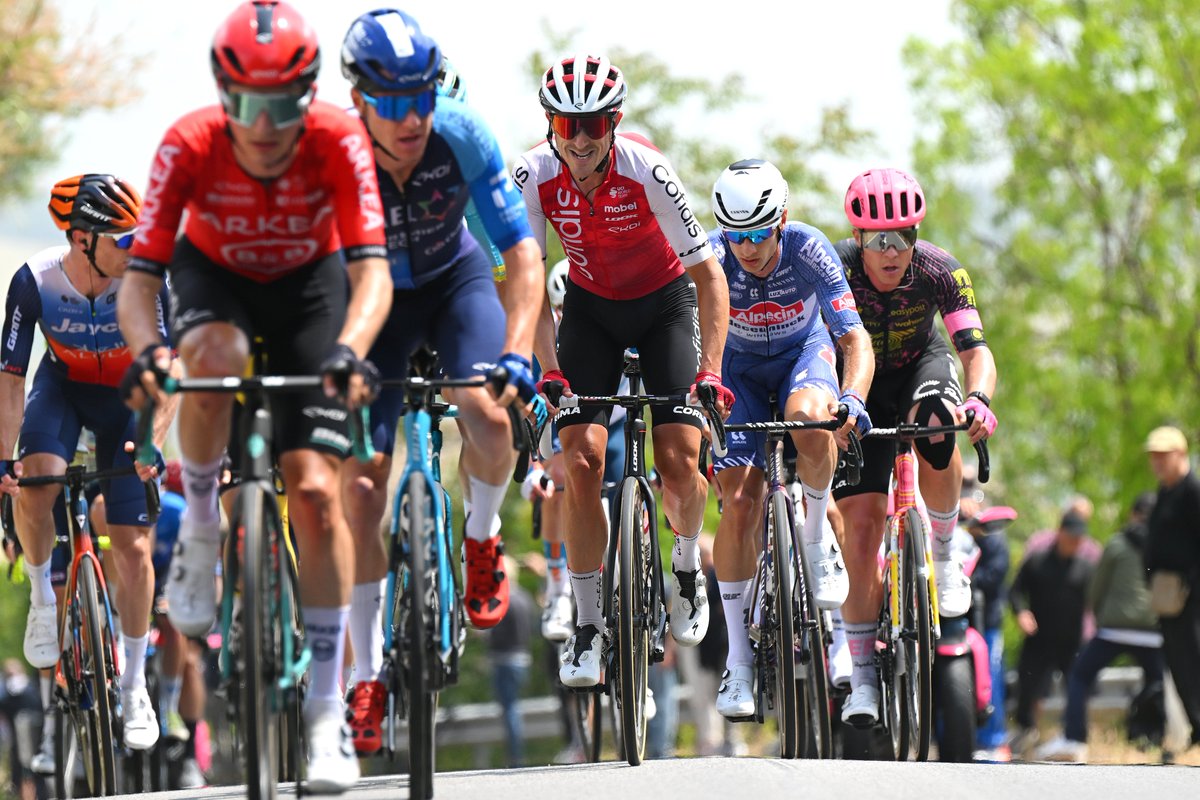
[637, 233]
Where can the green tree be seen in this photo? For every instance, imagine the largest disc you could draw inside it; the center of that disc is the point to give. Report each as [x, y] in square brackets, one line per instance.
[47, 77]
[1062, 166]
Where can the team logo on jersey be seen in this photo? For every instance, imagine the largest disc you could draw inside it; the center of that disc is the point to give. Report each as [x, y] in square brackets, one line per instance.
[618, 192]
[767, 313]
[826, 355]
[845, 302]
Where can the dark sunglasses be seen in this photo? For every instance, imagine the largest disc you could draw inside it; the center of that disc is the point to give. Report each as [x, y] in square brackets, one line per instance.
[595, 127]
[754, 237]
[396, 107]
[122, 239]
[901, 239]
[283, 109]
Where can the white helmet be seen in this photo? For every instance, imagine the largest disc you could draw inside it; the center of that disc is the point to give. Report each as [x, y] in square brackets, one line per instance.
[749, 195]
[556, 283]
[583, 85]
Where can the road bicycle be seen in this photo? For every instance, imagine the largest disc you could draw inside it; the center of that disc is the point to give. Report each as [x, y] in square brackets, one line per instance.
[632, 581]
[264, 655]
[424, 625]
[787, 629]
[87, 695]
[909, 623]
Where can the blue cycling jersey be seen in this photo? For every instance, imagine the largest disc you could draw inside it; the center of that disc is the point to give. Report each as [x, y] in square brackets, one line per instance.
[776, 314]
[462, 162]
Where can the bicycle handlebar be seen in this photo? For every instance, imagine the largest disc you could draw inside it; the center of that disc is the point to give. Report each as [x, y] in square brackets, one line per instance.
[76, 477]
[910, 430]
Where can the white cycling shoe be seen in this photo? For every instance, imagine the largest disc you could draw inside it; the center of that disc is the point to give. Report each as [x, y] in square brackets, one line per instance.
[830, 581]
[953, 588]
[140, 722]
[582, 657]
[332, 762]
[556, 618]
[862, 707]
[689, 607]
[735, 698]
[41, 636]
[192, 586]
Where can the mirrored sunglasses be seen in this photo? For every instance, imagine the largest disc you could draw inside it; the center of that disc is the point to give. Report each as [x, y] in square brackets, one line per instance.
[595, 127]
[122, 239]
[396, 107]
[284, 110]
[901, 239]
[754, 237]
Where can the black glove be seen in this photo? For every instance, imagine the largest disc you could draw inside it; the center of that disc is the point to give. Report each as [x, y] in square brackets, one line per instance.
[142, 364]
[342, 363]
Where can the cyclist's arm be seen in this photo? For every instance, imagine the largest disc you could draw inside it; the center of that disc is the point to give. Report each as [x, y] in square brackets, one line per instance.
[858, 361]
[979, 370]
[23, 308]
[524, 295]
[137, 311]
[370, 302]
[164, 414]
[712, 297]
[12, 411]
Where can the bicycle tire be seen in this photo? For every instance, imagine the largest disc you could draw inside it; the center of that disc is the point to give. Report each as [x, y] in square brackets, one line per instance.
[895, 667]
[587, 718]
[103, 779]
[291, 715]
[919, 643]
[66, 751]
[783, 629]
[815, 728]
[633, 634]
[258, 669]
[422, 705]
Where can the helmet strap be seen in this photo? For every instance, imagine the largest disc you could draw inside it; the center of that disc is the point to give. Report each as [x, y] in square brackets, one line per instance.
[375, 142]
[90, 252]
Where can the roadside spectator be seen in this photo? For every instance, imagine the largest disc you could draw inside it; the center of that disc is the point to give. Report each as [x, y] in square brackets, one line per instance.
[1048, 596]
[1120, 600]
[1173, 561]
[1089, 548]
[21, 708]
[508, 644]
[988, 581]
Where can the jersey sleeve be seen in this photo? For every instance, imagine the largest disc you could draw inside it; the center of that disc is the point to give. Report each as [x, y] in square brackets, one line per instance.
[23, 309]
[497, 200]
[167, 193]
[162, 307]
[477, 229]
[359, 209]
[525, 180]
[956, 300]
[669, 202]
[823, 268]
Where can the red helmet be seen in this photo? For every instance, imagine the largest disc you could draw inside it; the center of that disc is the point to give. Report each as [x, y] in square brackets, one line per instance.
[265, 43]
[884, 200]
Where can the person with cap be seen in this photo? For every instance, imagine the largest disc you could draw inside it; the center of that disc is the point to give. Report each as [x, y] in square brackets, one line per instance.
[1173, 563]
[1120, 599]
[1048, 597]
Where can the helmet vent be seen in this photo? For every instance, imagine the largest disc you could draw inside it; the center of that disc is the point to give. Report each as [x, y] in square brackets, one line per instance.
[266, 24]
[889, 207]
[232, 58]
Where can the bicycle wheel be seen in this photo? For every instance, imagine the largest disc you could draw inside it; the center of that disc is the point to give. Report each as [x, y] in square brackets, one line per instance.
[815, 734]
[895, 667]
[787, 711]
[258, 630]
[98, 673]
[291, 714]
[633, 633]
[918, 639]
[587, 719]
[66, 753]
[419, 589]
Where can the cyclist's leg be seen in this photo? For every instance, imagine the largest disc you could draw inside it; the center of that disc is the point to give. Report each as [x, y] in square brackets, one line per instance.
[735, 553]
[556, 620]
[49, 433]
[210, 325]
[468, 331]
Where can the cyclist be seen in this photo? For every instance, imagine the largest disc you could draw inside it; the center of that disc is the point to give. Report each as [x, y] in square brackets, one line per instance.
[69, 293]
[279, 189]
[431, 158]
[643, 275]
[785, 285]
[901, 284]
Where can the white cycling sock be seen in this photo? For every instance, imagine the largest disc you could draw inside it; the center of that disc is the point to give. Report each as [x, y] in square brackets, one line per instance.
[486, 500]
[133, 675]
[200, 490]
[817, 502]
[941, 528]
[685, 556]
[41, 589]
[733, 601]
[589, 606]
[860, 637]
[366, 629]
[325, 629]
[556, 568]
[169, 696]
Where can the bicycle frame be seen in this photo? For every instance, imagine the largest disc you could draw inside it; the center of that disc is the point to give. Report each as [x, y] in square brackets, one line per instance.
[905, 494]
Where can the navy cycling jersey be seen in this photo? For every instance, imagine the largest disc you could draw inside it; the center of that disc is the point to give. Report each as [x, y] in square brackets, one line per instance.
[776, 314]
[462, 161]
[83, 341]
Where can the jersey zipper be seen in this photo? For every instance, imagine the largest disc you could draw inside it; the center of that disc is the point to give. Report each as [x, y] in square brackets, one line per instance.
[887, 326]
[96, 340]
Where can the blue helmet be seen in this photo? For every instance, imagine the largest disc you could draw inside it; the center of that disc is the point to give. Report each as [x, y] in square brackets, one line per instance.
[385, 51]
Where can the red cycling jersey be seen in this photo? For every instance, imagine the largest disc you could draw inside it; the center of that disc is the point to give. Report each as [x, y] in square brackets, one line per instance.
[635, 236]
[262, 229]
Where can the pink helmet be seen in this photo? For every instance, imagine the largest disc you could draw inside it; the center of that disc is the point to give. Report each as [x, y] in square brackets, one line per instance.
[884, 199]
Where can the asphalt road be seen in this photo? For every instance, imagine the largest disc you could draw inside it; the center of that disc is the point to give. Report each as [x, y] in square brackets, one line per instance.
[767, 779]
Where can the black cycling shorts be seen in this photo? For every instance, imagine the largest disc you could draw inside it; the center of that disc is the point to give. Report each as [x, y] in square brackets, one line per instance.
[663, 326]
[298, 318]
[893, 394]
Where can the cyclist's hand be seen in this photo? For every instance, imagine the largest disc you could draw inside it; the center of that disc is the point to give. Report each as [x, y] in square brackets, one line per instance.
[725, 398]
[518, 377]
[856, 419]
[985, 422]
[537, 484]
[352, 380]
[1027, 623]
[146, 472]
[554, 386]
[539, 411]
[145, 376]
[9, 472]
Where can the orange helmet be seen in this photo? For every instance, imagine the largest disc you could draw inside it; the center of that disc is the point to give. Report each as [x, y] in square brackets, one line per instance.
[95, 202]
[265, 43]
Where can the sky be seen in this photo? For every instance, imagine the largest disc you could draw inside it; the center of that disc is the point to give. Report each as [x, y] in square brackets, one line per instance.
[797, 58]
